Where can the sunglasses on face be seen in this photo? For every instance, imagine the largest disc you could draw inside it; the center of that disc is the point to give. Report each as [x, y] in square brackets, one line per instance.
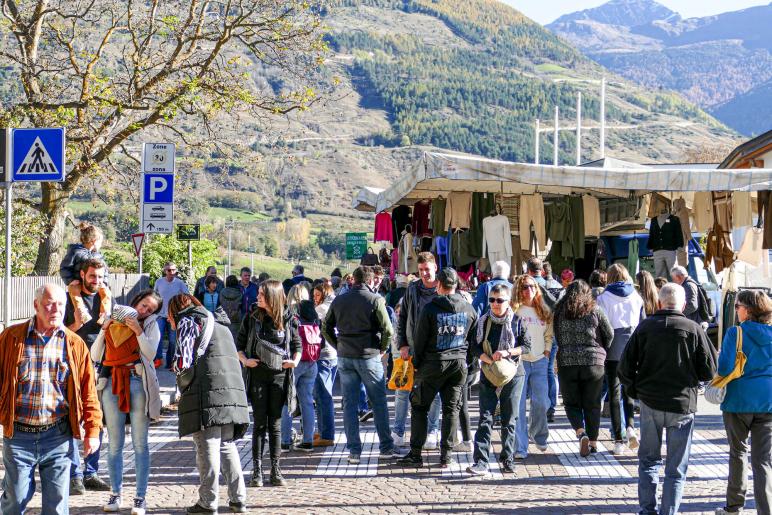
[528, 287]
[494, 300]
[738, 306]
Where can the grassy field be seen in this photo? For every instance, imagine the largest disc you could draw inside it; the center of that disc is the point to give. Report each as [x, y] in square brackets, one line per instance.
[280, 269]
[238, 215]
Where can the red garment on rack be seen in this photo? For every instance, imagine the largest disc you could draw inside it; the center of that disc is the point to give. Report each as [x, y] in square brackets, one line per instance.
[421, 211]
[383, 228]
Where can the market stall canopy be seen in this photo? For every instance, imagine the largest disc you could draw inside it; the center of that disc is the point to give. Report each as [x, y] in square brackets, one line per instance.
[438, 174]
[366, 199]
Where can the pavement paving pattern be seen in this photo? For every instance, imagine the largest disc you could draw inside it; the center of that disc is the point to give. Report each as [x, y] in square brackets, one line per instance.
[556, 481]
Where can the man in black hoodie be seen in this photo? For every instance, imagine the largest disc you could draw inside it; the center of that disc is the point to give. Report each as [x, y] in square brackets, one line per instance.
[439, 357]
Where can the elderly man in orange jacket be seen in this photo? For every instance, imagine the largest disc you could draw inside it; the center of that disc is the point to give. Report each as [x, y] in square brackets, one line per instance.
[47, 393]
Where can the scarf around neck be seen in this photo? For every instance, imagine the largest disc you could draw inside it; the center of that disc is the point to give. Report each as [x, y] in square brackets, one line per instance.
[507, 340]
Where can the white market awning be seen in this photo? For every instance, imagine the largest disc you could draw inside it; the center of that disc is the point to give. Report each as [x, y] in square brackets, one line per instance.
[366, 199]
[440, 173]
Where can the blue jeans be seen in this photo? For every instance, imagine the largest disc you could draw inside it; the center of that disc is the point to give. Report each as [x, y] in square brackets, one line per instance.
[91, 461]
[367, 371]
[164, 326]
[116, 430]
[552, 384]
[402, 407]
[49, 451]
[363, 406]
[305, 378]
[327, 369]
[511, 394]
[536, 387]
[679, 429]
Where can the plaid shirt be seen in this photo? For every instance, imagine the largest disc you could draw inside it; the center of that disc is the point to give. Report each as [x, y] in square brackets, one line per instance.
[41, 394]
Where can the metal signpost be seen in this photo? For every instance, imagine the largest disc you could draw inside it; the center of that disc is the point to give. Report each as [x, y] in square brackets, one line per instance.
[27, 155]
[156, 210]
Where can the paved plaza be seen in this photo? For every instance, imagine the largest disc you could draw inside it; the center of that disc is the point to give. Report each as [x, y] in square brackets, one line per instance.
[557, 481]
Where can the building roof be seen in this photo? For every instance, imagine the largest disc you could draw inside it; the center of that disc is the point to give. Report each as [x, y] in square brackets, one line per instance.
[748, 150]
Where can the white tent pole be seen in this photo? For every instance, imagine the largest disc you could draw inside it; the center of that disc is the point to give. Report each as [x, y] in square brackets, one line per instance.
[536, 145]
[603, 118]
[579, 128]
[555, 138]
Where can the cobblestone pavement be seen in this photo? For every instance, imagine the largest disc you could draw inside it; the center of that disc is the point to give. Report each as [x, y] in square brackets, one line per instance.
[557, 481]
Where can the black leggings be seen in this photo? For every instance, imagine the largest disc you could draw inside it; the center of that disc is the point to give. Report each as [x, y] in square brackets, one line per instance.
[614, 393]
[267, 398]
[581, 387]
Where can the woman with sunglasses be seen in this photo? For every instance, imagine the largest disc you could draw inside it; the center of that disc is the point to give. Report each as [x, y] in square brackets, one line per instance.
[536, 317]
[583, 334]
[268, 344]
[507, 337]
[747, 406]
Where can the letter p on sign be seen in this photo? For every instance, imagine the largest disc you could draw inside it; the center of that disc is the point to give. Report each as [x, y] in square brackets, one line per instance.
[158, 188]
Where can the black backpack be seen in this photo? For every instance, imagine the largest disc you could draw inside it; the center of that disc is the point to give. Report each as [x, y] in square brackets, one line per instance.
[704, 303]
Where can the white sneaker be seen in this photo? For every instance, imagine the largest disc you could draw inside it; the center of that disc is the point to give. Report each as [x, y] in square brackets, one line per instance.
[399, 441]
[722, 511]
[463, 447]
[431, 442]
[139, 507]
[113, 504]
[632, 438]
[520, 456]
[619, 449]
[542, 448]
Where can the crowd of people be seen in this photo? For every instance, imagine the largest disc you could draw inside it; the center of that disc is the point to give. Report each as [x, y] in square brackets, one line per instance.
[278, 347]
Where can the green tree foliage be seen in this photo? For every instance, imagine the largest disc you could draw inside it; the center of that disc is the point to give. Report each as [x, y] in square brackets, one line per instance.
[331, 243]
[26, 233]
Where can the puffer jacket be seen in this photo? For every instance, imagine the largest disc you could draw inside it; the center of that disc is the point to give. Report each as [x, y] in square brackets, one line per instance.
[752, 392]
[624, 309]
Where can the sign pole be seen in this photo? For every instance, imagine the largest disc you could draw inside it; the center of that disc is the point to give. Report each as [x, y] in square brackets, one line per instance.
[7, 282]
[190, 254]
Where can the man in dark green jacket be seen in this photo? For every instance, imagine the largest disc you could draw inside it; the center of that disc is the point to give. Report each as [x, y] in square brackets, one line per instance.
[358, 326]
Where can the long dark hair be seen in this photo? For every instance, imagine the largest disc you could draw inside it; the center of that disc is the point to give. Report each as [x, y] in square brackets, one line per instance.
[578, 301]
[148, 293]
[274, 297]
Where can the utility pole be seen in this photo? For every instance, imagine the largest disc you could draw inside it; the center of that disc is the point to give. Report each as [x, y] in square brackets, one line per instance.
[6, 164]
[251, 251]
[603, 118]
[190, 254]
[555, 140]
[536, 145]
[579, 128]
[229, 226]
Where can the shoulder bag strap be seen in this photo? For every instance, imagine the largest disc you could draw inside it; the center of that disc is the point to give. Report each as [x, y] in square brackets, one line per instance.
[739, 340]
[486, 343]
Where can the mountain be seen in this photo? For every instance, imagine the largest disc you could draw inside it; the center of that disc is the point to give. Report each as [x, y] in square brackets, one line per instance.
[461, 75]
[709, 60]
[749, 110]
[626, 13]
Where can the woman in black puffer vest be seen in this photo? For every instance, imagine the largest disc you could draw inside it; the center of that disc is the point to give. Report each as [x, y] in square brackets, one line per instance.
[213, 403]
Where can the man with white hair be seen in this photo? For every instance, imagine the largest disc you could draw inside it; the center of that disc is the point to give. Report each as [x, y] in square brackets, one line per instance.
[500, 273]
[662, 366]
[690, 286]
[51, 393]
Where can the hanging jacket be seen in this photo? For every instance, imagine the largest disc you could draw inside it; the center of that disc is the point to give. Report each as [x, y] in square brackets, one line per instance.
[667, 237]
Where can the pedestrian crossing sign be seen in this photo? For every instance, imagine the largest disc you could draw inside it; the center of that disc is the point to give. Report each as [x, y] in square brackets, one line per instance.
[38, 155]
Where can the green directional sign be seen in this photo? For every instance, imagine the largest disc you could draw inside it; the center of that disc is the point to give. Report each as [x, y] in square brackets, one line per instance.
[356, 245]
[188, 232]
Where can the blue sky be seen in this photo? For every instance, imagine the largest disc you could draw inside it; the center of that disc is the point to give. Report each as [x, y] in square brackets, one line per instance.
[546, 11]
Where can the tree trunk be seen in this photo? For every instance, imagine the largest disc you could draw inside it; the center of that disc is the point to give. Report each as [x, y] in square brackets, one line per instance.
[52, 206]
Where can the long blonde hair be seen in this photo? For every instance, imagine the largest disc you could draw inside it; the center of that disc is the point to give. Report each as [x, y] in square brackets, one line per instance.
[296, 294]
[542, 311]
[273, 294]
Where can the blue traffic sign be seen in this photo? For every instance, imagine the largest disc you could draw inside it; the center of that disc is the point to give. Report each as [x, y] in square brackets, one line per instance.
[37, 155]
[158, 188]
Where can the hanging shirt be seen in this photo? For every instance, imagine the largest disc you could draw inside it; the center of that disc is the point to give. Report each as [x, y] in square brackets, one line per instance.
[421, 211]
[400, 218]
[458, 210]
[438, 217]
[591, 207]
[383, 228]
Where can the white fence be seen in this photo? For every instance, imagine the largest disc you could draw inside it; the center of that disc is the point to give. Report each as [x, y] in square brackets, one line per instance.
[123, 286]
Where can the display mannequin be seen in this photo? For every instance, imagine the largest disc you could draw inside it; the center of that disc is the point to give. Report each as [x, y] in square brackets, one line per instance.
[408, 263]
[497, 243]
[665, 236]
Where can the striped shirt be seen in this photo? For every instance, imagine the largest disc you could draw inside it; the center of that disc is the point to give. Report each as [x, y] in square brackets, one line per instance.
[41, 393]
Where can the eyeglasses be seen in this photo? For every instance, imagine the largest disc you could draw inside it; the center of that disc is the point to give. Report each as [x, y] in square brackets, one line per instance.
[737, 306]
[172, 270]
[528, 287]
[494, 300]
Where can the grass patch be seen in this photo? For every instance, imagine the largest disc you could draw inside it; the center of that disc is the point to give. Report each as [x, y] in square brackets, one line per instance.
[238, 215]
[550, 68]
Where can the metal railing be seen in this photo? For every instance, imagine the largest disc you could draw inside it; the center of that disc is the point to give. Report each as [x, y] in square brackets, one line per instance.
[123, 286]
